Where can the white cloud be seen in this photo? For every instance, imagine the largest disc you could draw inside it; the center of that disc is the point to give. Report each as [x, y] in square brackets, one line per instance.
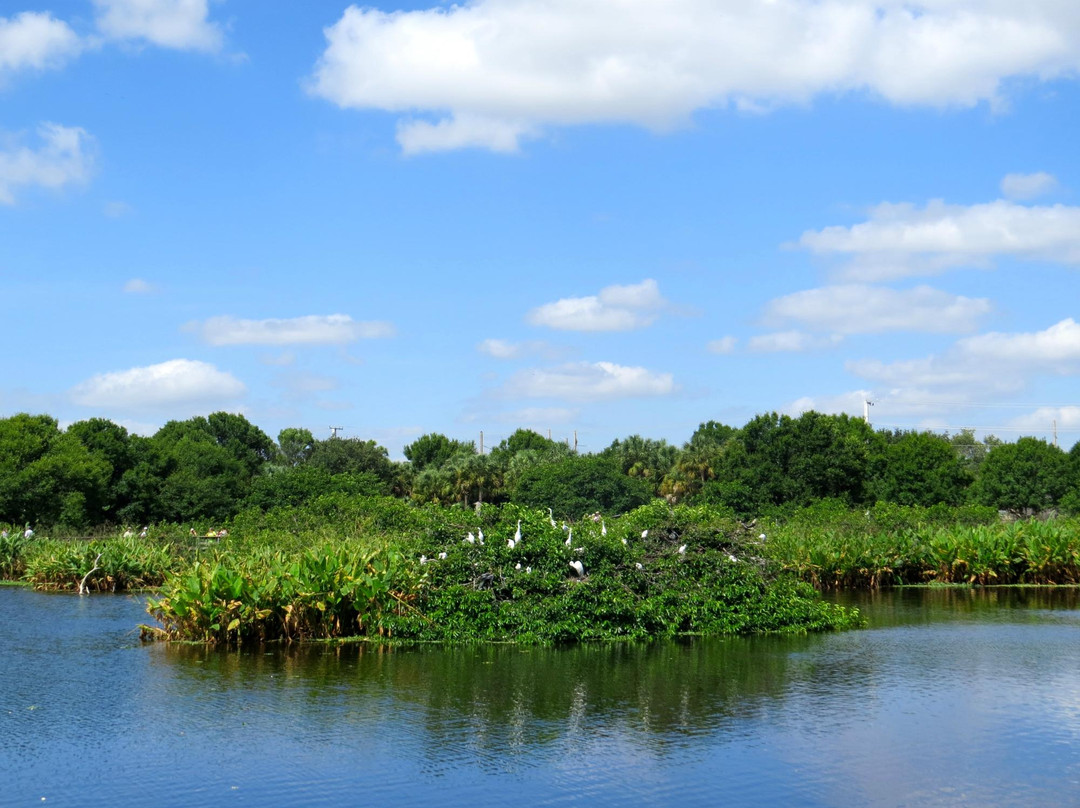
[36, 41]
[615, 308]
[137, 286]
[492, 71]
[1043, 419]
[992, 363]
[1028, 186]
[64, 158]
[585, 381]
[850, 403]
[900, 239]
[537, 417]
[172, 383]
[724, 345]
[790, 342]
[862, 309]
[179, 24]
[502, 349]
[332, 329]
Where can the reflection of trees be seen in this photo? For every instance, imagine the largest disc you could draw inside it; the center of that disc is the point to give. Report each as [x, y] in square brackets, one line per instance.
[504, 697]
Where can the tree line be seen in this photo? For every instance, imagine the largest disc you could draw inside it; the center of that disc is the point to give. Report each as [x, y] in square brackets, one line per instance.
[208, 468]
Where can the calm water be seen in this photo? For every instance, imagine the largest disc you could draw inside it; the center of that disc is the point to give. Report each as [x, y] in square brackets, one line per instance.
[949, 698]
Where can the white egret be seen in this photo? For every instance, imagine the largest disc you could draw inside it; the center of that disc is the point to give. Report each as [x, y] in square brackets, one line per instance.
[28, 533]
[517, 566]
[625, 543]
[423, 559]
[551, 517]
[762, 537]
[128, 534]
[638, 565]
[142, 533]
[442, 555]
[510, 543]
[569, 537]
[578, 568]
[644, 533]
[603, 528]
[682, 549]
[528, 570]
[480, 535]
[470, 538]
[3, 534]
[731, 558]
[517, 533]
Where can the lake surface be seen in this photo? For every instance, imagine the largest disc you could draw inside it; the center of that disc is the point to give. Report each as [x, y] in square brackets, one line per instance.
[950, 697]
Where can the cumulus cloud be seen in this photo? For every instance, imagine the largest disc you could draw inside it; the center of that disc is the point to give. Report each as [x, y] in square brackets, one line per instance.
[900, 240]
[850, 403]
[724, 345]
[1028, 186]
[1067, 419]
[790, 342]
[489, 72]
[64, 158]
[590, 381]
[615, 308]
[137, 286]
[36, 41]
[863, 309]
[983, 364]
[178, 24]
[168, 384]
[331, 329]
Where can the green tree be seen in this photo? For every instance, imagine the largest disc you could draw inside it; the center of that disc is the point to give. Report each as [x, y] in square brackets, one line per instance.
[580, 485]
[921, 468]
[1029, 475]
[47, 476]
[644, 458]
[296, 445]
[353, 456]
[434, 450]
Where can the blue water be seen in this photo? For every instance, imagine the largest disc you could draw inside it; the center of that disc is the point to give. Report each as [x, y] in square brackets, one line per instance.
[948, 698]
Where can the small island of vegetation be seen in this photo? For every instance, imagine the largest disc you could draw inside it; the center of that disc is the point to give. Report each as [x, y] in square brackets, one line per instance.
[247, 539]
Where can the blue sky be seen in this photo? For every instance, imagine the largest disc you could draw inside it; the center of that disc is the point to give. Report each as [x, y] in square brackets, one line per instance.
[607, 217]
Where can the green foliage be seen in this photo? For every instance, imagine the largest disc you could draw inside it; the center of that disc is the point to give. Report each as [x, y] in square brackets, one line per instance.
[1029, 475]
[296, 445]
[297, 485]
[922, 469]
[352, 456]
[121, 563]
[434, 450]
[580, 485]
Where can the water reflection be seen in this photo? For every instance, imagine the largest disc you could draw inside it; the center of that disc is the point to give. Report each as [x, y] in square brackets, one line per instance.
[949, 697]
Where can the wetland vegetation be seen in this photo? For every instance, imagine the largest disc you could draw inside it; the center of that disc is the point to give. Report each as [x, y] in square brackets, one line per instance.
[247, 539]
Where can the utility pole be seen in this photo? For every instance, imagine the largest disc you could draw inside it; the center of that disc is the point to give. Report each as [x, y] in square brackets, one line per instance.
[866, 405]
[334, 430]
[481, 441]
[1055, 433]
[575, 441]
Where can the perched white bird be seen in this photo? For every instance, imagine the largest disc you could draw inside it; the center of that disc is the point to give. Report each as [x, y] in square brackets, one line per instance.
[128, 534]
[423, 559]
[517, 533]
[762, 537]
[3, 534]
[470, 538]
[442, 555]
[644, 533]
[517, 566]
[28, 533]
[638, 565]
[578, 568]
[579, 549]
[480, 535]
[528, 570]
[731, 558]
[682, 549]
[551, 517]
[625, 543]
[142, 533]
[510, 543]
[569, 538]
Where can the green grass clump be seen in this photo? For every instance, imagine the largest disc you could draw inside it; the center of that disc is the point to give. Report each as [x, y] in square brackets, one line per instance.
[106, 565]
